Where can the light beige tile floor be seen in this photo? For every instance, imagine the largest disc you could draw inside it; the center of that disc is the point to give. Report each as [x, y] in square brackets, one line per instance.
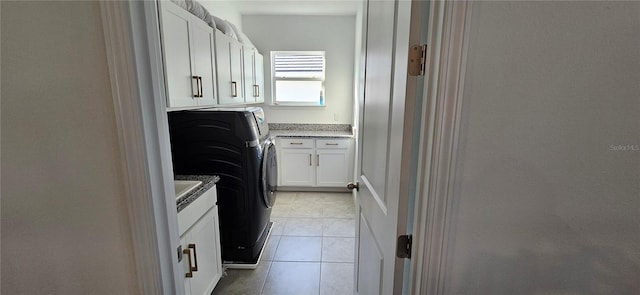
[310, 251]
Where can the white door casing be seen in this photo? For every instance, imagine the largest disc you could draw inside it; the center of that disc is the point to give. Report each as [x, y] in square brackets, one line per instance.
[439, 127]
[132, 40]
[520, 191]
[160, 220]
[380, 208]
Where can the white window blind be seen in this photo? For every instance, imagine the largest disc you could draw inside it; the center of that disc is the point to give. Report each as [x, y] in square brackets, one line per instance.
[298, 77]
[299, 66]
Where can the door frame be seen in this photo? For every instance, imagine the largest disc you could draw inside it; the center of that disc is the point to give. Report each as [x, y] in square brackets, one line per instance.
[443, 92]
[134, 57]
[132, 41]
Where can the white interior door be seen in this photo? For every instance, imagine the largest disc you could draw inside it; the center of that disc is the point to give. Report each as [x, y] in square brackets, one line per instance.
[381, 210]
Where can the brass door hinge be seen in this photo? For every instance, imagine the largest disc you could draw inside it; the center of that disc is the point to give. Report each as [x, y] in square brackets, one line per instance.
[417, 60]
[403, 247]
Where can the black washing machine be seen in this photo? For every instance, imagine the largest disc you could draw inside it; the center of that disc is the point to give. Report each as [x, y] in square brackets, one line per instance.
[233, 143]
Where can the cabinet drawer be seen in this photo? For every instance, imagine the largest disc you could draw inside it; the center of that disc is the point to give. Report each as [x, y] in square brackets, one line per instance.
[190, 214]
[296, 143]
[332, 143]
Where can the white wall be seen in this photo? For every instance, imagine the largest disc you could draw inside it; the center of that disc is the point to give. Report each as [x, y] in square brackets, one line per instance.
[542, 203]
[64, 219]
[224, 10]
[333, 34]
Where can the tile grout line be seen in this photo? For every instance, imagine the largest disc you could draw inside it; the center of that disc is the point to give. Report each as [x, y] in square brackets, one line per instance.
[266, 277]
[321, 250]
[269, 269]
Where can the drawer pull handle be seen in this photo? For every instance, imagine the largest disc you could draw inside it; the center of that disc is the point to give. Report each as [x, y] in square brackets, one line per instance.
[330, 144]
[188, 253]
[234, 89]
[296, 143]
[309, 159]
[318, 160]
[195, 257]
[198, 86]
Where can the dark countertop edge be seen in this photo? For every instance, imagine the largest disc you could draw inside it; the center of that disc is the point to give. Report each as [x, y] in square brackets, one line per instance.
[208, 181]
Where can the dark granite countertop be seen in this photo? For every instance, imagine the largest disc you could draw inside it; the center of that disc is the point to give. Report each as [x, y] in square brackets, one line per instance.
[208, 181]
[311, 130]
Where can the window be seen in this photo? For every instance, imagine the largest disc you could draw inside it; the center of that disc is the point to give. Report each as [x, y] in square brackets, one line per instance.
[298, 77]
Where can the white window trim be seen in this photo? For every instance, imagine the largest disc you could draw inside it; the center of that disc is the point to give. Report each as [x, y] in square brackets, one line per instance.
[273, 101]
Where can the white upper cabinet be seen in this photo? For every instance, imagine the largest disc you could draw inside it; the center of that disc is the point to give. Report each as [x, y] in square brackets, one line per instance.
[204, 62]
[188, 49]
[253, 76]
[259, 76]
[229, 69]
[204, 67]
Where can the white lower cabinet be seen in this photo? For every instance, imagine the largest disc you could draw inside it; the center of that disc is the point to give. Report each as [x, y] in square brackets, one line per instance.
[330, 167]
[200, 242]
[296, 164]
[315, 162]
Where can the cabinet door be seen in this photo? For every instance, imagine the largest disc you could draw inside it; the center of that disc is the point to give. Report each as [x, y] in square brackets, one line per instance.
[205, 248]
[184, 265]
[331, 167]
[235, 55]
[177, 56]
[249, 77]
[259, 76]
[297, 167]
[203, 61]
[223, 60]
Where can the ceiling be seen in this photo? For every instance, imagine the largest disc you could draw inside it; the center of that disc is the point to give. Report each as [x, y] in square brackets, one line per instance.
[298, 7]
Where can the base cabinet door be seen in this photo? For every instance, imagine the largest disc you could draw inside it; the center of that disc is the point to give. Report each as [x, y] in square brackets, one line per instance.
[186, 264]
[204, 244]
[331, 168]
[201, 258]
[297, 167]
